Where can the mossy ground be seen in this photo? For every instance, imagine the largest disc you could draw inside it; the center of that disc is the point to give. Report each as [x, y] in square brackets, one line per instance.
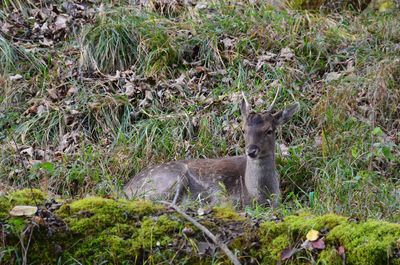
[102, 230]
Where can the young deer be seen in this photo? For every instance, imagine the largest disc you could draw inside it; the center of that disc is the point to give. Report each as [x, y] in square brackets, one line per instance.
[261, 181]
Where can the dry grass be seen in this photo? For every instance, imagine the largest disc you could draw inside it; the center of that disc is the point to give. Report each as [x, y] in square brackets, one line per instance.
[142, 85]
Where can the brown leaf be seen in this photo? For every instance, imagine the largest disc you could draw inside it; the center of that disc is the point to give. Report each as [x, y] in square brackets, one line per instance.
[287, 54]
[31, 110]
[5, 27]
[61, 22]
[41, 109]
[130, 89]
[319, 244]
[228, 43]
[287, 253]
[206, 248]
[27, 151]
[72, 91]
[332, 76]
[38, 220]
[52, 93]
[188, 231]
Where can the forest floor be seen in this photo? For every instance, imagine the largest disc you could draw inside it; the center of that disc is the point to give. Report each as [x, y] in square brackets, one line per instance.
[91, 92]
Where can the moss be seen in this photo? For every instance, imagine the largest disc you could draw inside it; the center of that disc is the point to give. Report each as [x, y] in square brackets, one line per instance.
[91, 250]
[277, 245]
[329, 257]
[226, 213]
[27, 197]
[95, 214]
[301, 224]
[132, 232]
[370, 242]
[117, 225]
[124, 242]
[5, 207]
[157, 232]
[20, 197]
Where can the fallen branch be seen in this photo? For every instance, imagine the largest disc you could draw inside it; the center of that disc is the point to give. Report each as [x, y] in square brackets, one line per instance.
[204, 229]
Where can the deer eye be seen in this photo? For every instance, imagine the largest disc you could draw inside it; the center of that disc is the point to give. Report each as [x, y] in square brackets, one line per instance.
[269, 131]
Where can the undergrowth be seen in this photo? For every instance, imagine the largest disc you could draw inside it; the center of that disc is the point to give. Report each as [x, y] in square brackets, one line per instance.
[137, 86]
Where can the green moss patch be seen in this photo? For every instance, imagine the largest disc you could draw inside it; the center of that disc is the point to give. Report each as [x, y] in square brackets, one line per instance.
[20, 197]
[97, 230]
[366, 242]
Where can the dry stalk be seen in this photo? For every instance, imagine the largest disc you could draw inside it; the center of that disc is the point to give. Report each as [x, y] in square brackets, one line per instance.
[204, 229]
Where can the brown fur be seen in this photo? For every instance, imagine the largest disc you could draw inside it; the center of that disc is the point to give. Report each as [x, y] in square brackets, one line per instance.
[248, 177]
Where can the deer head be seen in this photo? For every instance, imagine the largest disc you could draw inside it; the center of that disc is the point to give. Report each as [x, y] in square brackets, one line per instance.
[259, 128]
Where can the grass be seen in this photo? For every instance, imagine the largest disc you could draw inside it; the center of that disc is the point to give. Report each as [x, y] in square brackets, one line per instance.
[17, 58]
[343, 145]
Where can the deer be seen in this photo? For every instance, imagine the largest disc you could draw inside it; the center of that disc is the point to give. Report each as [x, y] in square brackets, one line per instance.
[246, 178]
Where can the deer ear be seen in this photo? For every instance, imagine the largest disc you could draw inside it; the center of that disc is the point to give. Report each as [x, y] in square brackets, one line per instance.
[283, 116]
[244, 108]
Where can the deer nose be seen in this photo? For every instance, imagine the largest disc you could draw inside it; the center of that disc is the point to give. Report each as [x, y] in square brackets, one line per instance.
[252, 151]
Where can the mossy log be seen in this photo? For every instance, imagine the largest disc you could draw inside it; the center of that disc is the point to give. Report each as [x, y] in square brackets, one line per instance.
[98, 230]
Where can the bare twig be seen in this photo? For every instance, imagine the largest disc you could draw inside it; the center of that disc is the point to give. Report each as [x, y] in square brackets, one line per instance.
[26, 248]
[273, 102]
[204, 229]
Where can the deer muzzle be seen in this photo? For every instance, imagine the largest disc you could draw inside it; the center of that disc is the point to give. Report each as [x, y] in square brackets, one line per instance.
[253, 151]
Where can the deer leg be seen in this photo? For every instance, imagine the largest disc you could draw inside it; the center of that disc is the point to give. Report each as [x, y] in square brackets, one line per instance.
[273, 193]
[180, 185]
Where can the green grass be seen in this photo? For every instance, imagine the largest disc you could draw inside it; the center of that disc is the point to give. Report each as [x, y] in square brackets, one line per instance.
[98, 137]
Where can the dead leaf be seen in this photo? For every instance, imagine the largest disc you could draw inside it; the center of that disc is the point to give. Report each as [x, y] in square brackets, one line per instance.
[44, 28]
[312, 235]
[23, 210]
[38, 220]
[188, 231]
[52, 93]
[341, 250]
[263, 59]
[72, 91]
[27, 151]
[46, 42]
[41, 109]
[200, 211]
[129, 89]
[287, 54]
[228, 43]
[206, 248]
[6, 27]
[15, 77]
[200, 6]
[61, 22]
[287, 253]
[319, 244]
[31, 110]
[332, 76]
[148, 95]
[284, 150]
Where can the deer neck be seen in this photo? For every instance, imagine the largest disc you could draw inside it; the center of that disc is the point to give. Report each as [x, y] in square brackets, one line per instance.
[260, 176]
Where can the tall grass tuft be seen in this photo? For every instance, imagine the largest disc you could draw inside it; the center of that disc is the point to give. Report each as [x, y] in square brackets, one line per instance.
[119, 42]
[15, 58]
